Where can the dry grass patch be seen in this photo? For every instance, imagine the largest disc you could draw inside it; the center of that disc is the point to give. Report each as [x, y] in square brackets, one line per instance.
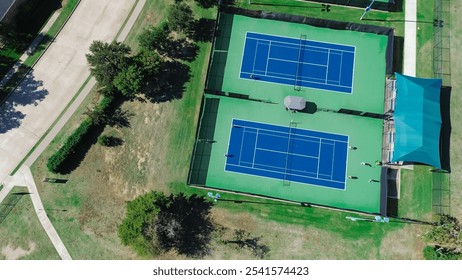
[21, 234]
[15, 253]
[406, 244]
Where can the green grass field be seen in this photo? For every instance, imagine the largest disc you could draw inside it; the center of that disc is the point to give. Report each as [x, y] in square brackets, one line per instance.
[456, 114]
[21, 235]
[156, 154]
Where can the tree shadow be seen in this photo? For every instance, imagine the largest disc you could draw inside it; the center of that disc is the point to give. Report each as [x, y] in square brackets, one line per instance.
[202, 30]
[43, 41]
[120, 118]
[29, 92]
[170, 83]
[206, 3]
[243, 239]
[181, 49]
[184, 224]
[113, 141]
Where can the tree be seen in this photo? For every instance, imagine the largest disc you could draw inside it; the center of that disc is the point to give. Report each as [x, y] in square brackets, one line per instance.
[140, 214]
[156, 223]
[180, 17]
[129, 80]
[184, 224]
[106, 61]
[155, 38]
[446, 233]
[150, 61]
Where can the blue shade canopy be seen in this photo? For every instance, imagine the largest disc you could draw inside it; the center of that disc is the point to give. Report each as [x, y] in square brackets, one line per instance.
[417, 120]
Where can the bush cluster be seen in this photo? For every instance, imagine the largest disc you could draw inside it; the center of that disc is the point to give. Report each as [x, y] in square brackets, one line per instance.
[56, 162]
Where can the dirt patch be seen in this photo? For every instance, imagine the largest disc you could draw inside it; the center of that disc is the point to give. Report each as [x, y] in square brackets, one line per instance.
[405, 244]
[11, 253]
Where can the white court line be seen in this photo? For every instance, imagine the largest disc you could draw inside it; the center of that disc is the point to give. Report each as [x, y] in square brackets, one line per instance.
[333, 162]
[282, 168]
[340, 69]
[297, 44]
[278, 77]
[296, 62]
[319, 158]
[255, 57]
[242, 145]
[255, 149]
[327, 70]
[284, 75]
[282, 36]
[320, 143]
[281, 152]
[267, 58]
[305, 48]
[303, 176]
[313, 130]
[313, 139]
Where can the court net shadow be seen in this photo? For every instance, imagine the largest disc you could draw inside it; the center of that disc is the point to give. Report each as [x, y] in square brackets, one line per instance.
[204, 140]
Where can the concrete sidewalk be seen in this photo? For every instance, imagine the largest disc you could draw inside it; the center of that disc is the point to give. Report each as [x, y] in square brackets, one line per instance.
[49, 87]
[24, 177]
[42, 215]
[410, 38]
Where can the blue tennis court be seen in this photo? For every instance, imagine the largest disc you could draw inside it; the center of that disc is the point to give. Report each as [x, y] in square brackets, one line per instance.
[287, 153]
[298, 62]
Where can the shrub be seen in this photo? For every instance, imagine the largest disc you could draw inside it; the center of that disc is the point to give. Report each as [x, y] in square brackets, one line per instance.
[55, 162]
[105, 140]
[439, 253]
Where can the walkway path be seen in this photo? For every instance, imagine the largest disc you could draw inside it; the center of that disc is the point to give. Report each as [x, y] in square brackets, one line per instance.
[410, 38]
[24, 176]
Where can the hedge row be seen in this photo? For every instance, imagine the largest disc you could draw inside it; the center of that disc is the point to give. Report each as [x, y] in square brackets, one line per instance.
[56, 161]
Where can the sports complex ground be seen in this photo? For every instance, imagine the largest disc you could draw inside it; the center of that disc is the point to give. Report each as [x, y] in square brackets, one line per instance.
[249, 142]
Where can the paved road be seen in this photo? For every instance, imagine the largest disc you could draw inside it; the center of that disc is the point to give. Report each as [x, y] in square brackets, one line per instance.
[23, 176]
[410, 38]
[55, 79]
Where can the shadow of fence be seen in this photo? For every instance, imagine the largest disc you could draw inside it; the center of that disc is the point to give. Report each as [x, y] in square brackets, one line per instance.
[9, 203]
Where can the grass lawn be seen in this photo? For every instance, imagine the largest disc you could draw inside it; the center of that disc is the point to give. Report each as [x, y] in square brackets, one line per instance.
[155, 155]
[456, 110]
[21, 235]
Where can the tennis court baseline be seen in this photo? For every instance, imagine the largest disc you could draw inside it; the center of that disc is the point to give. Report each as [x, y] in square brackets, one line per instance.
[298, 62]
[287, 153]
